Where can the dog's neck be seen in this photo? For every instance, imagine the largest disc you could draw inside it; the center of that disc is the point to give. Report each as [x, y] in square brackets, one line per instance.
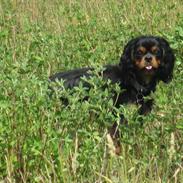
[141, 85]
[144, 79]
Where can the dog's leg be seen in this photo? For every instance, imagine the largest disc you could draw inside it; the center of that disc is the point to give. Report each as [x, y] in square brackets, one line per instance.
[146, 107]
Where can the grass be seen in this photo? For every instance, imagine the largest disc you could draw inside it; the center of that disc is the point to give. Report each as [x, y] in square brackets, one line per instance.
[41, 140]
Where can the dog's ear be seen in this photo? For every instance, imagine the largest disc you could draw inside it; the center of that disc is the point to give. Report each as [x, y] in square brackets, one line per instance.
[126, 57]
[167, 63]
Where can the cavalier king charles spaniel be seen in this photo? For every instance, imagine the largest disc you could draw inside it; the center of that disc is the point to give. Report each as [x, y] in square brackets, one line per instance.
[145, 61]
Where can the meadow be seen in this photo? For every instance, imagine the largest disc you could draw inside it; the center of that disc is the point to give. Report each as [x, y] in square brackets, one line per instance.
[41, 140]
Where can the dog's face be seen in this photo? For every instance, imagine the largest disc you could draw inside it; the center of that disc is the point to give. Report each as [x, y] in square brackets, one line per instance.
[149, 56]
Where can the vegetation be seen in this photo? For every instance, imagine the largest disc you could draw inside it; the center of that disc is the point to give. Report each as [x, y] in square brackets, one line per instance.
[41, 140]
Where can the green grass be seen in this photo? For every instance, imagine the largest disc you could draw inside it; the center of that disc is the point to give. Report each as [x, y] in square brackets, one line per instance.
[41, 140]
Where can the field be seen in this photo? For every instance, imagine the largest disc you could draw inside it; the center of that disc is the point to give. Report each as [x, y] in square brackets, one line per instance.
[41, 140]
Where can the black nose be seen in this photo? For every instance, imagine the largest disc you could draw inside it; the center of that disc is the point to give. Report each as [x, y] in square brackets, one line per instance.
[148, 58]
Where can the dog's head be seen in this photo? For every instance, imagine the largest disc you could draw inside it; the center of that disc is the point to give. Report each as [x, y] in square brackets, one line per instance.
[149, 56]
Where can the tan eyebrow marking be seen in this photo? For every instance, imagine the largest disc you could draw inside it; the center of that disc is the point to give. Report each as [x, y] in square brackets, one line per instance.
[141, 49]
[154, 49]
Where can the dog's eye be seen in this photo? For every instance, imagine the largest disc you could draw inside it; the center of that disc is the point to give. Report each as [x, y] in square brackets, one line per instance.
[156, 51]
[139, 52]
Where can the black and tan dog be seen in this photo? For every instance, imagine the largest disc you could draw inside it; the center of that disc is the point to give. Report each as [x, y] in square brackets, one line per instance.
[145, 61]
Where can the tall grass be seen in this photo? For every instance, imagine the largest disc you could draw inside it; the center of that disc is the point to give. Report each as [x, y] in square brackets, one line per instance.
[41, 140]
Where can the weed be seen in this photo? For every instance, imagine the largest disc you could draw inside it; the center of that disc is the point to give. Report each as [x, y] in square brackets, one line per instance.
[41, 139]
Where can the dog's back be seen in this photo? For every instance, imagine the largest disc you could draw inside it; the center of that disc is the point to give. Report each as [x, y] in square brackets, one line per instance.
[70, 78]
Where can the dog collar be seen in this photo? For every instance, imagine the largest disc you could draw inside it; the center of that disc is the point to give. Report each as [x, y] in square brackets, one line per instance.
[141, 91]
[139, 88]
[139, 97]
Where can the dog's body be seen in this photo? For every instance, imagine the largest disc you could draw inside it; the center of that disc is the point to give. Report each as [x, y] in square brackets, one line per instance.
[145, 61]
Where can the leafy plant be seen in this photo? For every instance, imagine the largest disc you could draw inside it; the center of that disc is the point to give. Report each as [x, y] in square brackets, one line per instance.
[44, 140]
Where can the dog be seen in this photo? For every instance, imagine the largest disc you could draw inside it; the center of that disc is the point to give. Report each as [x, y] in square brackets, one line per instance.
[145, 61]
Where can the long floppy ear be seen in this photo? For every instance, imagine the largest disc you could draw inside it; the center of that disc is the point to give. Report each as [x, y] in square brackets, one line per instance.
[126, 57]
[167, 64]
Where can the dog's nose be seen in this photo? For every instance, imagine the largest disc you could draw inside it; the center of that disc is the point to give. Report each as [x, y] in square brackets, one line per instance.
[148, 58]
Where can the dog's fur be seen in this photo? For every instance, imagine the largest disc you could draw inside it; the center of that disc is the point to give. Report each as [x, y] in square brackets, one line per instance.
[145, 61]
